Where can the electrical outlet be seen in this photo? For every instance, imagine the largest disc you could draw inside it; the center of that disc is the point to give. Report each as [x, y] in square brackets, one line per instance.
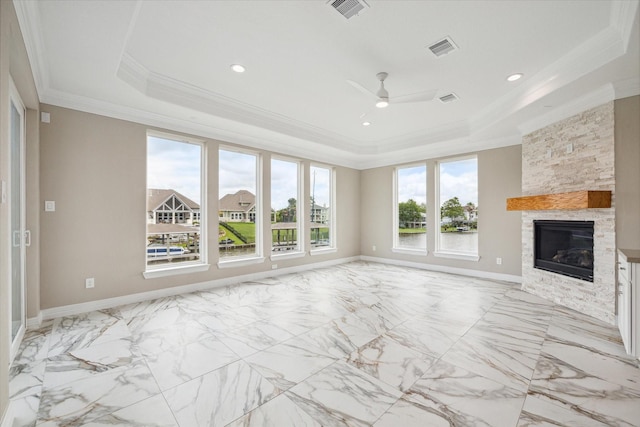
[499, 261]
[569, 148]
[274, 266]
[373, 248]
[89, 283]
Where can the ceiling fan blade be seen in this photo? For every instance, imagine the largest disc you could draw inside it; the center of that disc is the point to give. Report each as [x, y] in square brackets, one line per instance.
[362, 89]
[427, 95]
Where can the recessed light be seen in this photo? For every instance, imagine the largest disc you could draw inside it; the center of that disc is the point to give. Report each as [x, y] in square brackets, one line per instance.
[366, 123]
[238, 68]
[514, 77]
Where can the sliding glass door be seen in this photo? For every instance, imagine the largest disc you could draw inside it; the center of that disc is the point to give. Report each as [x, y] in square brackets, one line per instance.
[19, 236]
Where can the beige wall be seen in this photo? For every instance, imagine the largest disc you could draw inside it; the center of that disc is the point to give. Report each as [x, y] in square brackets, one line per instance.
[627, 158]
[499, 177]
[93, 167]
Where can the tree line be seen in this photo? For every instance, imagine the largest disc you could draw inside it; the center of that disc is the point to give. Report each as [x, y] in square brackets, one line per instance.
[410, 212]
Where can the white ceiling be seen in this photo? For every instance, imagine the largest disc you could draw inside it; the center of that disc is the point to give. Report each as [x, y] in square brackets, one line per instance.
[167, 64]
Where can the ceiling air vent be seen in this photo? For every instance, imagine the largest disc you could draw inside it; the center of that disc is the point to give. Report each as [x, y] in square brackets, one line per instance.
[443, 47]
[348, 8]
[448, 98]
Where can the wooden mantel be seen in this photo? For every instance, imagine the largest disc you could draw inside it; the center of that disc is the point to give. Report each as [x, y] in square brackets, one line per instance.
[561, 201]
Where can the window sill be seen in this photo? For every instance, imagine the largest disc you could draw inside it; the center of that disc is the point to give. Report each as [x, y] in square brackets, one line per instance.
[314, 252]
[408, 251]
[173, 271]
[457, 255]
[290, 255]
[240, 262]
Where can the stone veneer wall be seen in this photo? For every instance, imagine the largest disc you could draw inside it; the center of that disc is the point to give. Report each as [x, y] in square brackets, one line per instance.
[589, 167]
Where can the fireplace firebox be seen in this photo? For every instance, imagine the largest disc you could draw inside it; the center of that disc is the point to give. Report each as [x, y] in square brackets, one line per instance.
[564, 247]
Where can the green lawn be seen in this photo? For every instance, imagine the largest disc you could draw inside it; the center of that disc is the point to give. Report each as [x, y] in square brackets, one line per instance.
[320, 234]
[247, 229]
[226, 234]
[412, 230]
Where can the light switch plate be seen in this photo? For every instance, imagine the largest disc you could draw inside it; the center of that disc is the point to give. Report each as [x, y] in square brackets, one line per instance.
[49, 206]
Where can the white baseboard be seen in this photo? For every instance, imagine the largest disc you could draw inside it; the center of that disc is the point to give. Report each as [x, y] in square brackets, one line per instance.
[34, 322]
[444, 269]
[73, 309]
[7, 420]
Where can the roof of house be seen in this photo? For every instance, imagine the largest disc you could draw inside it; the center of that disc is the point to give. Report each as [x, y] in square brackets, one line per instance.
[242, 200]
[156, 196]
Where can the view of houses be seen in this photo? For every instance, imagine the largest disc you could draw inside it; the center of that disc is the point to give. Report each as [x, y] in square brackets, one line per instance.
[173, 222]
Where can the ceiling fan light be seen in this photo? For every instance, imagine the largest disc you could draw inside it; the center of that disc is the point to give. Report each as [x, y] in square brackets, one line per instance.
[382, 103]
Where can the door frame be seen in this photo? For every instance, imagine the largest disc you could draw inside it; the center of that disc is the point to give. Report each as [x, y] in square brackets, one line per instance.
[16, 100]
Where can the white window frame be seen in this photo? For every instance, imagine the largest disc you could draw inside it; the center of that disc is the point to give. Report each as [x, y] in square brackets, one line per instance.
[447, 253]
[300, 212]
[187, 267]
[258, 256]
[333, 246]
[396, 217]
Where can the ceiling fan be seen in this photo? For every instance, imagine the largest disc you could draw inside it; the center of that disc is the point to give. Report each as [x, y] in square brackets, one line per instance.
[382, 95]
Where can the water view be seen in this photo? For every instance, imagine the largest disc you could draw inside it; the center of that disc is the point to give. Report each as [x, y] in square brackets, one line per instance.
[460, 242]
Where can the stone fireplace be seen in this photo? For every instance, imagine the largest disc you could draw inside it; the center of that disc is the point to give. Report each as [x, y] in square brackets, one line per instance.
[573, 154]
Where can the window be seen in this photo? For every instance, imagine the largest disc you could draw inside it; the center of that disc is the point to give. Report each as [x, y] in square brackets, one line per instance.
[285, 207]
[239, 228]
[322, 208]
[410, 214]
[458, 201]
[174, 202]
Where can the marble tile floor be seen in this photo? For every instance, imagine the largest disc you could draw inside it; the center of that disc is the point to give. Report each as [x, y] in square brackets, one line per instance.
[359, 344]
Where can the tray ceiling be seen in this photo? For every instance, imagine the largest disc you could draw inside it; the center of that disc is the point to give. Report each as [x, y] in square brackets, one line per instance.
[167, 63]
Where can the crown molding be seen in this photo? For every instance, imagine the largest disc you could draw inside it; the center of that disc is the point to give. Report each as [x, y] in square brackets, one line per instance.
[589, 56]
[249, 136]
[448, 132]
[30, 25]
[623, 15]
[238, 123]
[165, 88]
[590, 100]
[460, 146]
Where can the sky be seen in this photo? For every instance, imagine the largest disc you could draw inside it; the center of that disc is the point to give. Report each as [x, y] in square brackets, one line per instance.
[319, 186]
[457, 178]
[174, 165]
[237, 171]
[284, 183]
[412, 184]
